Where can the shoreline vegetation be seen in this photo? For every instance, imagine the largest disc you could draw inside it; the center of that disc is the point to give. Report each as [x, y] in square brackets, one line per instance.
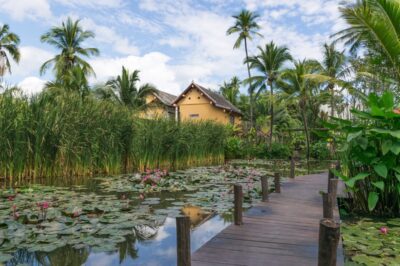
[64, 135]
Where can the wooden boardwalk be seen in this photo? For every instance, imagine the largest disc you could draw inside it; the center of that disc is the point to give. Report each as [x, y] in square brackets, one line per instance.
[283, 231]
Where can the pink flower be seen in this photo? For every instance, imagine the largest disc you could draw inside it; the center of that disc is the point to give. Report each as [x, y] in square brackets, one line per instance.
[384, 230]
[10, 198]
[14, 207]
[16, 215]
[45, 205]
[141, 196]
[123, 196]
[75, 214]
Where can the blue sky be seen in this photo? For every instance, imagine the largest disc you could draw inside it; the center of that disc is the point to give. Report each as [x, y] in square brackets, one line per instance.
[171, 42]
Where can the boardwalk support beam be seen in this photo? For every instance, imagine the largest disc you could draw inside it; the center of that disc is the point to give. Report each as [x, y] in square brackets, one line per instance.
[264, 188]
[238, 202]
[332, 188]
[277, 182]
[292, 166]
[329, 234]
[183, 241]
[328, 205]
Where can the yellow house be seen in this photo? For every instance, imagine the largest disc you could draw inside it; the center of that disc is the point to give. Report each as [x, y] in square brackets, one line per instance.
[199, 103]
[159, 104]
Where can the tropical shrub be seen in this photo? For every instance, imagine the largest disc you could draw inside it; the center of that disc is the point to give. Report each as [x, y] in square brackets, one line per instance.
[234, 148]
[370, 155]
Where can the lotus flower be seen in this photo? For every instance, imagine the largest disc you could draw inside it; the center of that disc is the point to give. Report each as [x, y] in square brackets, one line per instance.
[141, 196]
[396, 111]
[384, 230]
[10, 198]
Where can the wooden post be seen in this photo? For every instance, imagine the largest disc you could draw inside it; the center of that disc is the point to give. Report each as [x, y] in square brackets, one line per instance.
[329, 234]
[292, 167]
[277, 182]
[183, 241]
[327, 205]
[331, 175]
[332, 188]
[264, 188]
[238, 202]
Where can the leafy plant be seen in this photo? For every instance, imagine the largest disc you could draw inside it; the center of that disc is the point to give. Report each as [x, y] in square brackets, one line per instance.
[370, 155]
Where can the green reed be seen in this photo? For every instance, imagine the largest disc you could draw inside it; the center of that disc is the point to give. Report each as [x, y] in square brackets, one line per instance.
[63, 135]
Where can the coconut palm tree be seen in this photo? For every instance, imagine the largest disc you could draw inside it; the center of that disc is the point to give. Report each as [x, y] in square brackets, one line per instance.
[374, 24]
[269, 63]
[230, 90]
[124, 90]
[8, 46]
[295, 83]
[69, 39]
[247, 27]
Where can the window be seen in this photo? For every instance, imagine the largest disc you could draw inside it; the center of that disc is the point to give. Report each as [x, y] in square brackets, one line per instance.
[232, 119]
[194, 116]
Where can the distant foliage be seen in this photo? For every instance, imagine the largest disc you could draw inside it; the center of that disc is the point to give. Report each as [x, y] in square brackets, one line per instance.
[320, 150]
[61, 134]
[370, 153]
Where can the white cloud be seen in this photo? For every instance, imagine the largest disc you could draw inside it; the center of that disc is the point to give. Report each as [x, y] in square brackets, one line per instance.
[154, 69]
[26, 9]
[31, 60]
[145, 25]
[93, 3]
[31, 85]
[108, 35]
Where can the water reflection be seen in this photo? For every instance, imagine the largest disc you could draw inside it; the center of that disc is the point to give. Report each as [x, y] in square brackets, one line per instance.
[159, 250]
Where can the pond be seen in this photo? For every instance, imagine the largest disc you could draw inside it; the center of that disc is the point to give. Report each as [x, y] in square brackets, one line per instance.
[127, 220]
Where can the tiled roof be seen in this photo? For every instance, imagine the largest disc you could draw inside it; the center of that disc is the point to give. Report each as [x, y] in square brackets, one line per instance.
[165, 98]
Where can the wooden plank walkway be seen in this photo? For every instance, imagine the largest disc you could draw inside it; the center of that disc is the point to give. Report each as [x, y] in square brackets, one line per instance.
[283, 231]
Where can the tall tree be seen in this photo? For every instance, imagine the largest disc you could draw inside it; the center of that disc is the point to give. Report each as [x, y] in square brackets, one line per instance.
[374, 24]
[294, 83]
[8, 45]
[334, 70]
[69, 39]
[124, 89]
[269, 63]
[230, 90]
[246, 26]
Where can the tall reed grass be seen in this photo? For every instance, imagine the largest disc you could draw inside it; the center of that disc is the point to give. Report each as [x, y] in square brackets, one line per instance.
[61, 135]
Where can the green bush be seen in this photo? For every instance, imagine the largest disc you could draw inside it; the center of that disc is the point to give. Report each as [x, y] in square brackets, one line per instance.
[319, 150]
[234, 148]
[370, 155]
[279, 151]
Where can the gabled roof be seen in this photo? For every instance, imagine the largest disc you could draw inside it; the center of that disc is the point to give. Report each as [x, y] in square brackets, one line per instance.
[165, 98]
[217, 99]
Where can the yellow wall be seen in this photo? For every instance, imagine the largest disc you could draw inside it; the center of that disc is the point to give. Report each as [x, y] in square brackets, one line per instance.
[196, 104]
[154, 109]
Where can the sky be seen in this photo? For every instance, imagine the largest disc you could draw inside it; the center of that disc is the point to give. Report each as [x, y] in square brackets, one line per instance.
[171, 42]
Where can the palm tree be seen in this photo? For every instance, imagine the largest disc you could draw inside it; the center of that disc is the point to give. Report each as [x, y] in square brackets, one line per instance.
[295, 83]
[373, 24]
[124, 90]
[230, 90]
[73, 80]
[269, 62]
[68, 38]
[247, 27]
[8, 45]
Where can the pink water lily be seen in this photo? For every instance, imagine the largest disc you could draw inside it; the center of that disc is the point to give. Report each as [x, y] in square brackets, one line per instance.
[384, 230]
[141, 196]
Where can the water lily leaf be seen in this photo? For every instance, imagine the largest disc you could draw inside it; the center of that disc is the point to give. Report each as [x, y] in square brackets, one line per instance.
[373, 198]
[381, 170]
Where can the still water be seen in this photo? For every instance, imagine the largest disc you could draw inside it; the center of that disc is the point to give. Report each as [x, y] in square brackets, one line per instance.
[159, 251]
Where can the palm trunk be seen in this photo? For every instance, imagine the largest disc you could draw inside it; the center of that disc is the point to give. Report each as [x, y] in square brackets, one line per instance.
[272, 115]
[332, 87]
[303, 114]
[250, 87]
